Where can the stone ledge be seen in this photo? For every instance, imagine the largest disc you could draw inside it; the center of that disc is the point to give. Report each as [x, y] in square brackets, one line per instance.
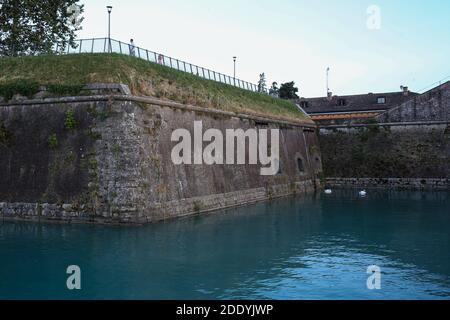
[391, 183]
[157, 102]
[69, 213]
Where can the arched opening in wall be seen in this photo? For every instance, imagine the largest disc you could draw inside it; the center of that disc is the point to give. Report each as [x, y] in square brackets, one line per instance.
[300, 165]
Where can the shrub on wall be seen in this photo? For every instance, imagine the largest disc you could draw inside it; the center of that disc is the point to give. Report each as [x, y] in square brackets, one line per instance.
[64, 90]
[5, 135]
[21, 86]
[53, 141]
[70, 121]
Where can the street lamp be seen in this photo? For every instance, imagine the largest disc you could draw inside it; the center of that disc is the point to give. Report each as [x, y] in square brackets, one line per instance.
[234, 75]
[109, 28]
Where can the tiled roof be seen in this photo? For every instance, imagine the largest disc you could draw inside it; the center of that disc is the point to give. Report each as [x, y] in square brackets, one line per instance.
[351, 103]
[349, 115]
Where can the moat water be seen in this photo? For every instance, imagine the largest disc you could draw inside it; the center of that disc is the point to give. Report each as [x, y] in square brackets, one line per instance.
[317, 247]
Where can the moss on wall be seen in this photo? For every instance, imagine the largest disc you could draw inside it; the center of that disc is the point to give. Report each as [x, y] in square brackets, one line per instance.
[42, 151]
[24, 87]
[380, 152]
[5, 136]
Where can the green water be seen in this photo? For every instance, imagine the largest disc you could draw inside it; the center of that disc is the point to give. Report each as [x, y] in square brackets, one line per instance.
[317, 247]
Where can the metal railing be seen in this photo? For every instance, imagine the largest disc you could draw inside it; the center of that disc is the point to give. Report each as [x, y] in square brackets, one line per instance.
[105, 45]
[434, 85]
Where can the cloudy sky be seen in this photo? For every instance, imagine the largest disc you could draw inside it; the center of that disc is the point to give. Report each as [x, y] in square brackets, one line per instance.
[292, 39]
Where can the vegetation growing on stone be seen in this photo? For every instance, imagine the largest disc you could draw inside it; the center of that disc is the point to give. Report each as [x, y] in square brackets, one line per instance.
[65, 89]
[24, 87]
[70, 121]
[378, 153]
[29, 88]
[53, 141]
[197, 206]
[94, 135]
[5, 135]
[145, 79]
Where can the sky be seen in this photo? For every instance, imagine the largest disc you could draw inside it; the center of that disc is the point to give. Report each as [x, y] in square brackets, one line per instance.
[369, 46]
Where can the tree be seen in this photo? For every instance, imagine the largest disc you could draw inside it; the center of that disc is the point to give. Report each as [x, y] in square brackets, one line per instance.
[35, 26]
[288, 91]
[262, 87]
[274, 91]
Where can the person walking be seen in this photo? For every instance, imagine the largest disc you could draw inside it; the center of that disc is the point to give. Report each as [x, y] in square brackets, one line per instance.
[132, 48]
[160, 59]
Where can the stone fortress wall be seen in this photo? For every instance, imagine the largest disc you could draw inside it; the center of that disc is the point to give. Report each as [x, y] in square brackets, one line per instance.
[433, 105]
[407, 147]
[106, 158]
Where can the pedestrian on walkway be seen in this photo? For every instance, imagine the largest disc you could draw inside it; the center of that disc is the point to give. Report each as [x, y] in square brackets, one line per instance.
[132, 48]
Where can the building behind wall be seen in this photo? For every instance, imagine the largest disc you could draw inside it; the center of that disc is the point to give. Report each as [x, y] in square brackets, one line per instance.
[407, 146]
[433, 105]
[346, 109]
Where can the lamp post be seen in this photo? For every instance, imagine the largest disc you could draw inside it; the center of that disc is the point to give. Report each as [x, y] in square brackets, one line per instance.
[234, 74]
[109, 28]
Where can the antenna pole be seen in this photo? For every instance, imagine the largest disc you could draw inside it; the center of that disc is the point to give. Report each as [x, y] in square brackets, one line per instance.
[328, 87]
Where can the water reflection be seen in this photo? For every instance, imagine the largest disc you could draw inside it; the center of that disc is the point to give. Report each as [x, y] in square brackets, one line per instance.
[295, 248]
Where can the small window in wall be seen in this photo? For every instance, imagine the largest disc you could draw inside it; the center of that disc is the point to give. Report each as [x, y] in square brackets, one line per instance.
[304, 104]
[261, 124]
[300, 165]
[342, 102]
[381, 100]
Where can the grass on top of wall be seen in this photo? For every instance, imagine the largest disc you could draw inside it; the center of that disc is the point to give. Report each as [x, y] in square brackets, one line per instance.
[144, 79]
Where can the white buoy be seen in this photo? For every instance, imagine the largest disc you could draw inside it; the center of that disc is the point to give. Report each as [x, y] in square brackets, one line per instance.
[363, 193]
[328, 191]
